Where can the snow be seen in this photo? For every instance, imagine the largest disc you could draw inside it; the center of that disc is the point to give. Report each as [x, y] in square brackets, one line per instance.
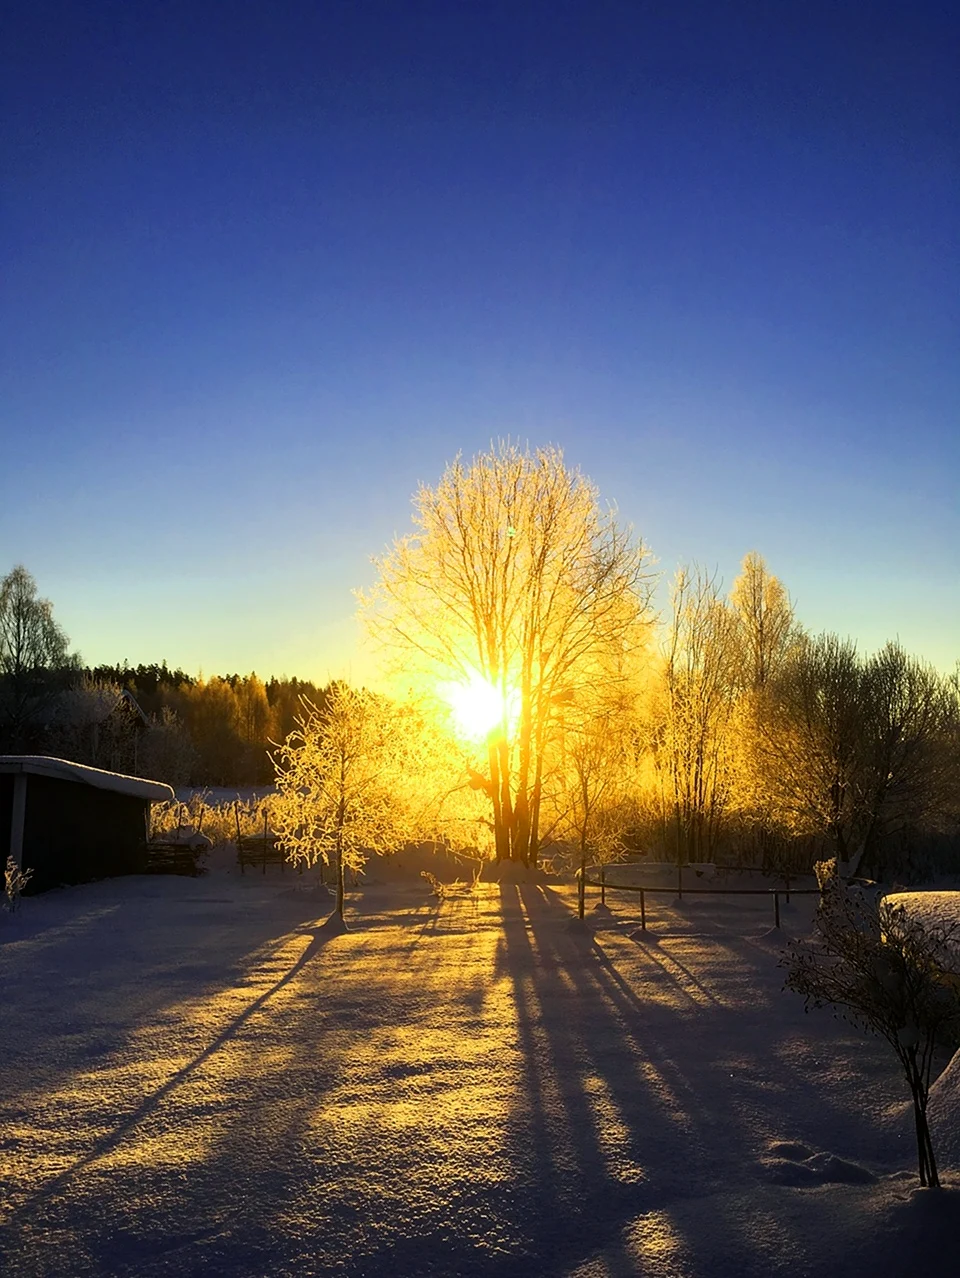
[204, 1077]
[932, 906]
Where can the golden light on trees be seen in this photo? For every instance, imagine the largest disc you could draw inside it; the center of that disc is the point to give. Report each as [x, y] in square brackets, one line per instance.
[517, 588]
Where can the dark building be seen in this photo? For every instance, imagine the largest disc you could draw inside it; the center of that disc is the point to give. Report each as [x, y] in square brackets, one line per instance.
[69, 823]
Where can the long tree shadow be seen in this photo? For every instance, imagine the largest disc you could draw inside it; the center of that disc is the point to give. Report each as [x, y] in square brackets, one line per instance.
[581, 1148]
[687, 1120]
[320, 935]
[504, 1099]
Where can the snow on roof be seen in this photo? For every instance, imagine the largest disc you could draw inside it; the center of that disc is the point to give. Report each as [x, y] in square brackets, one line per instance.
[63, 770]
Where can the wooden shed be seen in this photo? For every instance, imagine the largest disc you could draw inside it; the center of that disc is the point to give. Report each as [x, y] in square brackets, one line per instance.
[69, 823]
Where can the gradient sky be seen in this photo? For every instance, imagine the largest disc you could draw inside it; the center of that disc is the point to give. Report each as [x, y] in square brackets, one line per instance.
[266, 266]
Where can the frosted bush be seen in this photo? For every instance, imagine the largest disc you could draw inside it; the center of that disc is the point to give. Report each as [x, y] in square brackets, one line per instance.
[15, 880]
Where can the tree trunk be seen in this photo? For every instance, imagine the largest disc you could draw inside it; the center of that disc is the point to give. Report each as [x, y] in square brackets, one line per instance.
[926, 1159]
[339, 877]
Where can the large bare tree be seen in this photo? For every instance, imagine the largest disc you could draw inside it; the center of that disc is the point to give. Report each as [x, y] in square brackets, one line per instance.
[514, 574]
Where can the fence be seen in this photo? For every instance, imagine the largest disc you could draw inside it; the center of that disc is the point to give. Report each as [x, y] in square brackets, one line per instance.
[583, 882]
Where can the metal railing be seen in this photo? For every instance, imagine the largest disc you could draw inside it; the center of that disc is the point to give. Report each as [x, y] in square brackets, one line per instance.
[583, 882]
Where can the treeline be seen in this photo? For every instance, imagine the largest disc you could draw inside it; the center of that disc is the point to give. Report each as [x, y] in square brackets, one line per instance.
[722, 731]
[147, 719]
[758, 741]
[215, 731]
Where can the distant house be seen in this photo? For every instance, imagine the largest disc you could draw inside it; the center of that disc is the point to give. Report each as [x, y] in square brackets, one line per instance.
[69, 823]
[100, 725]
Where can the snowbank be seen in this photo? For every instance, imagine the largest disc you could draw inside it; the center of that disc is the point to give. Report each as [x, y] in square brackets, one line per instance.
[930, 907]
[943, 1112]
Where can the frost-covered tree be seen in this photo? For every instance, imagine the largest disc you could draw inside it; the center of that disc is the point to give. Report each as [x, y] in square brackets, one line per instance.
[765, 636]
[765, 627]
[342, 780]
[812, 755]
[693, 704]
[166, 751]
[599, 775]
[890, 975]
[514, 580]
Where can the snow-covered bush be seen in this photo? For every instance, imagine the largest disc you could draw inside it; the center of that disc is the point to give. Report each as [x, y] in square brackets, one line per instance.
[890, 975]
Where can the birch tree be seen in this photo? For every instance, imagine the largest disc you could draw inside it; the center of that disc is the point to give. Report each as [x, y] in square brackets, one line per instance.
[33, 653]
[598, 785]
[340, 783]
[765, 635]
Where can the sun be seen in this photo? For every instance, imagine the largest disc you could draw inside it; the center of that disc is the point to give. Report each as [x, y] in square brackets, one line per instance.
[479, 707]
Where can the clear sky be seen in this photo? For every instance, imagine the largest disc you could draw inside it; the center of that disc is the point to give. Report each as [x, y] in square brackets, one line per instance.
[265, 266]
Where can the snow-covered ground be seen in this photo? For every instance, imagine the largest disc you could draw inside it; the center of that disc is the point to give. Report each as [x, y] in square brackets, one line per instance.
[198, 1078]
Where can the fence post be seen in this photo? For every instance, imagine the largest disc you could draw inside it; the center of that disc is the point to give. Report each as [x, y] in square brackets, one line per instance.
[236, 817]
[787, 877]
[264, 840]
[603, 885]
[580, 893]
[679, 877]
[776, 908]
[643, 912]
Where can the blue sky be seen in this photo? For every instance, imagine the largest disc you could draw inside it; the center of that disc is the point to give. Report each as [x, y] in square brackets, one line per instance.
[267, 267]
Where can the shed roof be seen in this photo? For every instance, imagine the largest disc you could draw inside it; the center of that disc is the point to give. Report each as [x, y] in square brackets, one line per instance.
[63, 770]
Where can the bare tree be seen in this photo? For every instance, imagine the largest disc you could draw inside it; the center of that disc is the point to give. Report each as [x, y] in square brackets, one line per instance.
[858, 753]
[33, 655]
[765, 635]
[695, 700]
[911, 765]
[598, 783]
[764, 619]
[889, 975]
[812, 754]
[515, 576]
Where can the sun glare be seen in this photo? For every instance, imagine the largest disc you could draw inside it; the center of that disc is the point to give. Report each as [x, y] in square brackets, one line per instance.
[478, 707]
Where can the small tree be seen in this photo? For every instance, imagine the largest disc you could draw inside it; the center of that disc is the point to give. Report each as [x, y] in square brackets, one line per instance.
[15, 880]
[340, 781]
[887, 974]
[596, 782]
